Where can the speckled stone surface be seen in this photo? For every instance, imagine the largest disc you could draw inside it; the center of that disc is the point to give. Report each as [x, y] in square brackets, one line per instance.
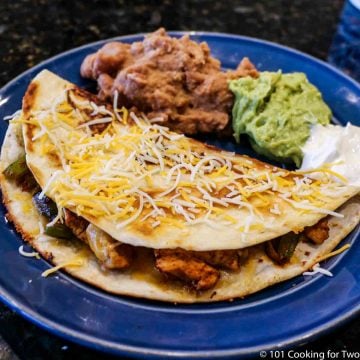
[33, 30]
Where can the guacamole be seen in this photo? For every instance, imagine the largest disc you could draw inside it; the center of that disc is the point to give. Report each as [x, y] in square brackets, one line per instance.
[276, 110]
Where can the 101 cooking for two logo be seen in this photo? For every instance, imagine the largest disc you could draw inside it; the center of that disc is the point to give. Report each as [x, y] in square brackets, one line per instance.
[309, 354]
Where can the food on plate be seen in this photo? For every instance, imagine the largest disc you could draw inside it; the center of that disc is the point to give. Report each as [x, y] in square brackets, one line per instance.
[277, 111]
[176, 82]
[155, 214]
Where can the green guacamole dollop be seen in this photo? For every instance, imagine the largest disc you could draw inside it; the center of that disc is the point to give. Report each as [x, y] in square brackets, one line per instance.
[277, 110]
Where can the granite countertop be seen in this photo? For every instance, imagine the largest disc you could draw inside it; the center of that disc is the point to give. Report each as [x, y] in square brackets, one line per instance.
[33, 30]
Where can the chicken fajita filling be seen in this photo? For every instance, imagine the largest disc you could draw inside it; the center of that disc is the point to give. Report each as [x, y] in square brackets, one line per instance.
[200, 270]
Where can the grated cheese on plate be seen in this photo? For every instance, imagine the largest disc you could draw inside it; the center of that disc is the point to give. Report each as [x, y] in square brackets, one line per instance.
[24, 253]
[318, 270]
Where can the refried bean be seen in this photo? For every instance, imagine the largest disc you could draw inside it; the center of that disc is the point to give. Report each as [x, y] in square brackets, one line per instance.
[174, 81]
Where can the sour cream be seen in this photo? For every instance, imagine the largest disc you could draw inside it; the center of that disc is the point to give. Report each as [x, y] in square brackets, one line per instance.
[337, 147]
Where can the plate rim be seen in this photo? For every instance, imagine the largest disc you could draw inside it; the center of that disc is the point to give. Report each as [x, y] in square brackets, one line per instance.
[116, 348]
[191, 34]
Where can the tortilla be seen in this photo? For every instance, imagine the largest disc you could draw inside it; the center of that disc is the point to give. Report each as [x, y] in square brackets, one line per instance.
[142, 279]
[224, 222]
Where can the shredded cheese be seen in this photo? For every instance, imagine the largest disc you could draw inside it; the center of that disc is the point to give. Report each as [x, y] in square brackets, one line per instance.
[333, 253]
[77, 261]
[318, 270]
[22, 252]
[324, 170]
[135, 169]
[13, 116]
[103, 120]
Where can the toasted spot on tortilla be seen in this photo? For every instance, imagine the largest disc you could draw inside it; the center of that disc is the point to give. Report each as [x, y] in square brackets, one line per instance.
[29, 98]
[143, 227]
[54, 158]
[29, 134]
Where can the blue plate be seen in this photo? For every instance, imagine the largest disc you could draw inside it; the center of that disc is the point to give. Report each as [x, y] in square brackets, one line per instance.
[286, 314]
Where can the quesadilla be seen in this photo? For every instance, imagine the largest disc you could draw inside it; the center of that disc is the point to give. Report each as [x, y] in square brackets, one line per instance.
[136, 209]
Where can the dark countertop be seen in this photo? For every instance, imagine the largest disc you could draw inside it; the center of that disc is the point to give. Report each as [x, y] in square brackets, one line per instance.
[33, 30]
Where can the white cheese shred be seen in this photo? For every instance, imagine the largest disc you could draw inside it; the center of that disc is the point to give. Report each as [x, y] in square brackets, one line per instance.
[24, 253]
[318, 270]
[15, 115]
[103, 120]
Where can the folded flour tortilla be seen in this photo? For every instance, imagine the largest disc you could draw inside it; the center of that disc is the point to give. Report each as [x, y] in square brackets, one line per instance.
[253, 225]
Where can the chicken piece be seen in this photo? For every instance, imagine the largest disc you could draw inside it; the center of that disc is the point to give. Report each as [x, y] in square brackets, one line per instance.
[76, 224]
[319, 232]
[182, 265]
[111, 253]
[225, 259]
